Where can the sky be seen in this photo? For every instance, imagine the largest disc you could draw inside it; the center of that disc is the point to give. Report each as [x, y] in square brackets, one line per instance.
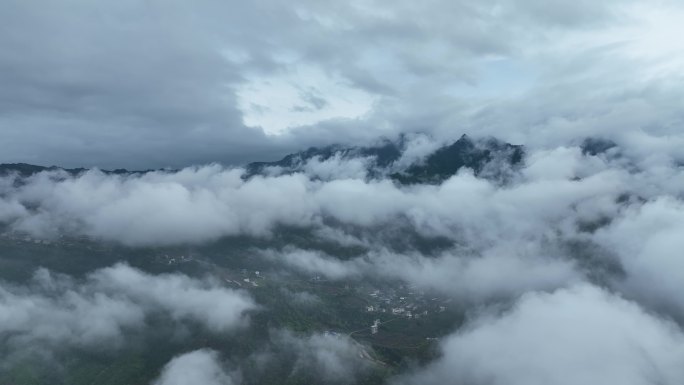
[152, 84]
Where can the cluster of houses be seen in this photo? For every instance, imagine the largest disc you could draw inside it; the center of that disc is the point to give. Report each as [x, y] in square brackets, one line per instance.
[248, 279]
[374, 327]
[413, 306]
[174, 260]
[409, 311]
[61, 240]
[24, 238]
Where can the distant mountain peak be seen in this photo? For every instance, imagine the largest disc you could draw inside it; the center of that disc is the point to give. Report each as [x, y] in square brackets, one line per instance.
[595, 146]
[488, 158]
[436, 167]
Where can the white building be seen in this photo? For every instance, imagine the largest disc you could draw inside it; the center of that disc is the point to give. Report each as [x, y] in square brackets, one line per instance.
[374, 327]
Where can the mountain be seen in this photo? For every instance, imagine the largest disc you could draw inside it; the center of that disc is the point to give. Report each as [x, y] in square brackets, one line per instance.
[381, 156]
[489, 158]
[596, 146]
[26, 170]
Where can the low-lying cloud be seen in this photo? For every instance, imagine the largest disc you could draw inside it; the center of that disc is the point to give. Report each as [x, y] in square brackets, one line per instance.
[649, 240]
[198, 367]
[330, 358]
[60, 311]
[205, 203]
[498, 273]
[573, 336]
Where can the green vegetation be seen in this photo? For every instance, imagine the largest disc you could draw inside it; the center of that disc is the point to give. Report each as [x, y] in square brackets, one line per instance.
[288, 300]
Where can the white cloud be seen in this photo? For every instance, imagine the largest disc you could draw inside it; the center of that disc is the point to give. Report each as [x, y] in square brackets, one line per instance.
[183, 298]
[302, 96]
[648, 241]
[59, 310]
[197, 367]
[580, 335]
[332, 358]
[206, 203]
[503, 271]
[336, 167]
[314, 262]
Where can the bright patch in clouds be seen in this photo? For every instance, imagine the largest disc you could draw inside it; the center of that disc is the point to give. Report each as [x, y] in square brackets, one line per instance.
[648, 38]
[657, 37]
[302, 96]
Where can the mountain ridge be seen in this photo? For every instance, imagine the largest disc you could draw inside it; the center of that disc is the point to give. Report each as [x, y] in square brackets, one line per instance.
[483, 156]
[488, 158]
[26, 170]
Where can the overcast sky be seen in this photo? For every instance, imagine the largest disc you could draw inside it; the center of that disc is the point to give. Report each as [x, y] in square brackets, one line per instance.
[154, 83]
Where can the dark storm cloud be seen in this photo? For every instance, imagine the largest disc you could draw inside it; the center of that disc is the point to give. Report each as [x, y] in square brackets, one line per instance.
[130, 83]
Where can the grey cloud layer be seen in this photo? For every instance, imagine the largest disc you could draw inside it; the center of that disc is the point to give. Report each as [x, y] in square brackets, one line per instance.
[153, 84]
